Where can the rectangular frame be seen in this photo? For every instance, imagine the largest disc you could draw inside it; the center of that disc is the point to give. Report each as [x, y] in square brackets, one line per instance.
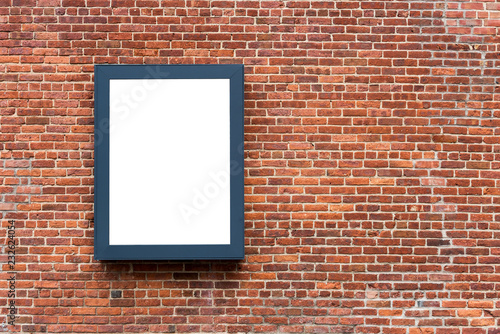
[103, 249]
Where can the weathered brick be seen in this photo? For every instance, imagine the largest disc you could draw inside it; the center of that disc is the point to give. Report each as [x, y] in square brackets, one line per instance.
[371, 165]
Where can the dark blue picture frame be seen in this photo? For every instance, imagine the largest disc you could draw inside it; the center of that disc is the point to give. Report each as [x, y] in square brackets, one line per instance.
[102, 248]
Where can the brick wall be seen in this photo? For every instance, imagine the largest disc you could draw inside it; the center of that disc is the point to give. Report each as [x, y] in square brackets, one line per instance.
[372, 166]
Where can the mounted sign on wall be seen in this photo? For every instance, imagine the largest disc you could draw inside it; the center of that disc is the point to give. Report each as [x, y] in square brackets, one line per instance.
[168, 162]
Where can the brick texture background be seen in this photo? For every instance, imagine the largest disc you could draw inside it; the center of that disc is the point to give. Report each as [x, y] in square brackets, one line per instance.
[372, 166]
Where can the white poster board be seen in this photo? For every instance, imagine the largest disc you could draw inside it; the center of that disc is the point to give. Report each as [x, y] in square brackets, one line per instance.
[169, 162]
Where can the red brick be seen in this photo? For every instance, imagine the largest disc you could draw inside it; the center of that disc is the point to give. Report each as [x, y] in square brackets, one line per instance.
[371, 155]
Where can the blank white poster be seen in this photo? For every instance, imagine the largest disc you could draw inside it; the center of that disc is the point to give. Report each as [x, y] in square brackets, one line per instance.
[169, 162]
